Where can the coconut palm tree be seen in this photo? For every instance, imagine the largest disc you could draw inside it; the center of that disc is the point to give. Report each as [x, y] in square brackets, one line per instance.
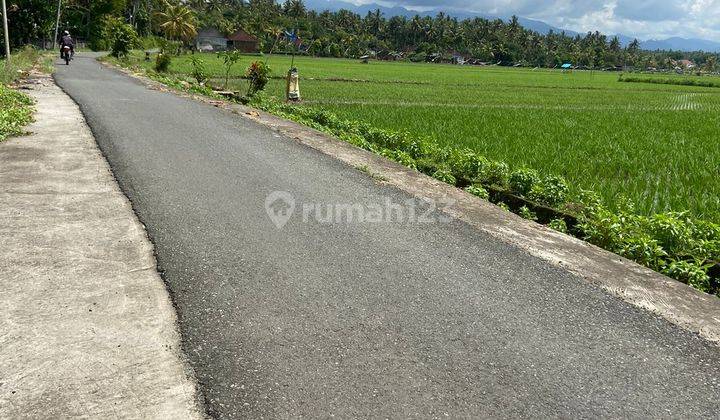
[177, 22]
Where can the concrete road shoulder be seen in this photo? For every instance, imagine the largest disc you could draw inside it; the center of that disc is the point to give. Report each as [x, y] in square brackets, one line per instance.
[87, 326]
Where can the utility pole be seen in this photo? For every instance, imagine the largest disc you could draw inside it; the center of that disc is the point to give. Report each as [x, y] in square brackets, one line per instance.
[57, 24]
[5, 29]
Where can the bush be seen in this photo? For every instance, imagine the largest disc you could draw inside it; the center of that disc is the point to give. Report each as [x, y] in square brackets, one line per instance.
[495, 173]
[169, 47]
[644, 250]
[690, 273]
[527, 214]
[551, 190]
[15, 112]
[149, 42]
[663, 242]
[673, 231]
[258, 75]
[444, 175]
[478, 191]
[162, 63]
[465, 163]
[198, 70]
[122, 38]
[558, 225]
[230, 58]
[523, 180]
[418, 57]
[403, 158]
[427, 166]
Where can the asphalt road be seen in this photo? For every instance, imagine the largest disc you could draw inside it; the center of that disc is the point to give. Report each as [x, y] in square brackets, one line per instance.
[365, 319]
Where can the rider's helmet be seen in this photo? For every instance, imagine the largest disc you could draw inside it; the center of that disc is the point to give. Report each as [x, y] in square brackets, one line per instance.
[66, 33]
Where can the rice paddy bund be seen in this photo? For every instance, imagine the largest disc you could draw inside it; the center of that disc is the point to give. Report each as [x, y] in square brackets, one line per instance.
[657, 144]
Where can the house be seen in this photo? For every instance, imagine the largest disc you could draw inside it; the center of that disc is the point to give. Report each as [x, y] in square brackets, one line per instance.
[211, 39]
[686, 64]
[682, 64]
[244, 42]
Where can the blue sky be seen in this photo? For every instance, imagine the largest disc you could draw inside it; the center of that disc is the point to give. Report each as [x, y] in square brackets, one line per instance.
[645, 19]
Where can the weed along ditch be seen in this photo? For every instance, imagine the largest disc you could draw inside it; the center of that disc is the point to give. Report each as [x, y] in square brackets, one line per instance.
[581, 153]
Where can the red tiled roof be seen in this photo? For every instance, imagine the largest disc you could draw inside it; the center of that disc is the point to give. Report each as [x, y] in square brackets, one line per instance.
[242, 36]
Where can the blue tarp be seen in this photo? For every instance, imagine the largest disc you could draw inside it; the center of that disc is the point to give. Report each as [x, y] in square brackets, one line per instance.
[566, 66]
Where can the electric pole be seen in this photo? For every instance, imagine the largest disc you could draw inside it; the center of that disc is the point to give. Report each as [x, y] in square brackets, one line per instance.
[5, 29]
[57, 24]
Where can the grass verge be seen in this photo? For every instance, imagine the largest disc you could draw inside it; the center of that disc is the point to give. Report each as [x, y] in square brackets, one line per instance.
[673, 243]
[21, 62]
[16, 107]
[15, 112]
[679, 81]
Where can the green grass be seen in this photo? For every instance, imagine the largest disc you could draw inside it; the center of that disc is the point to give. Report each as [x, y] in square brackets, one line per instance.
[15, 107]
[20, 62]
[654, 143]
[15, 112]
[701, 81]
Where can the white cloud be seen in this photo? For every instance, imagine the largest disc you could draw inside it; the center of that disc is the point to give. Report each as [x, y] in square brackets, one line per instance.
[645, 19]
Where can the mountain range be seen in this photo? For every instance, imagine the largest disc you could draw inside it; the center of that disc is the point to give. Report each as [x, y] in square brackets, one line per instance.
[674, 43]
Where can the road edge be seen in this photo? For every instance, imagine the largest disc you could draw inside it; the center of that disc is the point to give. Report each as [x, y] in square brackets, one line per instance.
[178, 393]
[676, 302]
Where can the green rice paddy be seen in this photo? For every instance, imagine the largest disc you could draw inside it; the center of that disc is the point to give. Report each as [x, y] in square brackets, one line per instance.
[656, 144]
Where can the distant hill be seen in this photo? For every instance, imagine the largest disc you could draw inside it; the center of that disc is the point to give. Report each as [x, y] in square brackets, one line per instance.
[675, 43]
[533, 25]
[681, 44]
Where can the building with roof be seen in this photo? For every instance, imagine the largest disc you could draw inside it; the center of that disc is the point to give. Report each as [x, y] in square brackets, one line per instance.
[244, 42]
[211, 39]
[686, 64]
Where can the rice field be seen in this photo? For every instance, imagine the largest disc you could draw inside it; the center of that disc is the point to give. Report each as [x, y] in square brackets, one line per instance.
[655, 144]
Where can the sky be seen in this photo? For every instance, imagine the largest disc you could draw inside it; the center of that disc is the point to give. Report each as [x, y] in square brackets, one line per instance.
[644, 19]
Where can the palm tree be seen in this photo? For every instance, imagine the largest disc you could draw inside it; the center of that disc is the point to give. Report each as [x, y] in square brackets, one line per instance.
[274, 33]
[711, 63]
[177, 22]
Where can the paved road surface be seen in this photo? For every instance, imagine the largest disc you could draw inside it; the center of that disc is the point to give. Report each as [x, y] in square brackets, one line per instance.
[401, 320]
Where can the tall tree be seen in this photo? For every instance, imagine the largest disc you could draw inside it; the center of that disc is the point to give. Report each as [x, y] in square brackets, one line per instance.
[177, 22]
[29, 20]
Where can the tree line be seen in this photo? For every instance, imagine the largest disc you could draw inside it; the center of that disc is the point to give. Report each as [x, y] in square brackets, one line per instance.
[339, 34]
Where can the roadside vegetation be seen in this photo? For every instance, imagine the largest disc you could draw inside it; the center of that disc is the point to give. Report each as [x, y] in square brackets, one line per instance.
[16, 107]
[630, 167]
[15, 112]
[673, 243]
[21, 62]
[563, 189]
[653, 144]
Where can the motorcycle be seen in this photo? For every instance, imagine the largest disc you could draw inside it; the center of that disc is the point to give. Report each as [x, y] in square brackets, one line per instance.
[67, 54]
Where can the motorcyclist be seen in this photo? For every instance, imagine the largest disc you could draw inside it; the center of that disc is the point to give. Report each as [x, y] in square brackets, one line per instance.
[67, 41]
